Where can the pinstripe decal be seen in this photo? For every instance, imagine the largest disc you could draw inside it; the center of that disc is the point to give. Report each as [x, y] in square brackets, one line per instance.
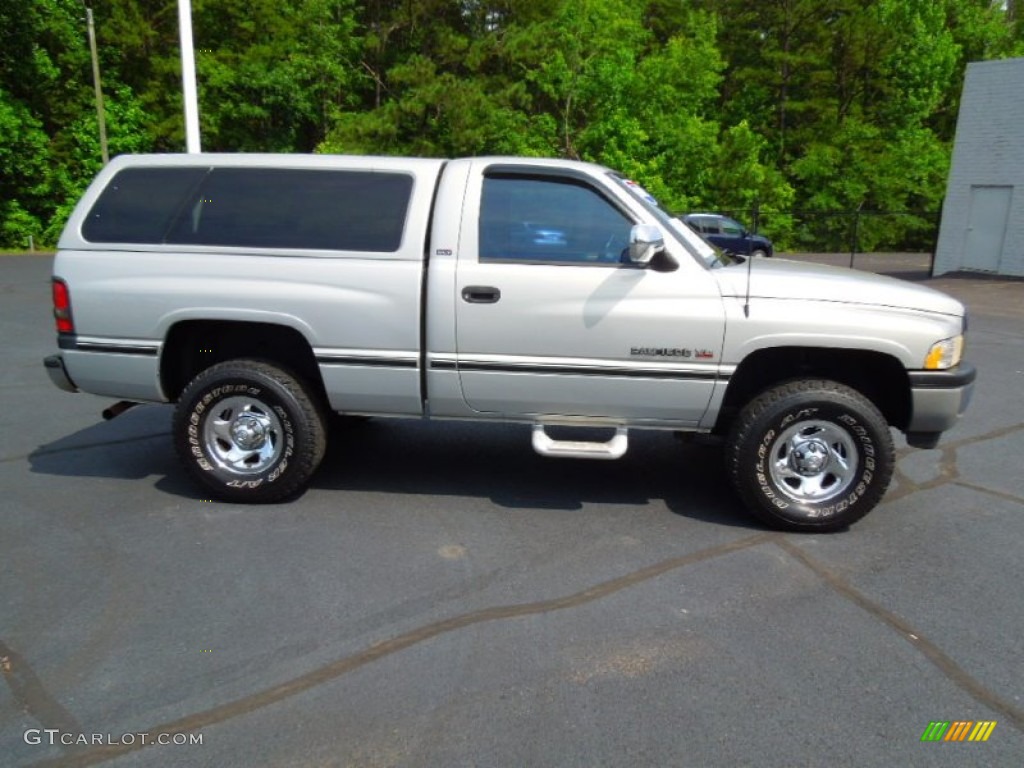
[563, 369]
[109, 346]
[371, 361]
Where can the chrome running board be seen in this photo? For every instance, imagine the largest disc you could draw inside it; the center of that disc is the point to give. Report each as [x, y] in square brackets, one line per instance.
[545, 445]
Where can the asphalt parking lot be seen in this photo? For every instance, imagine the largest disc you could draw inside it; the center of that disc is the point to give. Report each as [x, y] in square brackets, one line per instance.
[444, 597]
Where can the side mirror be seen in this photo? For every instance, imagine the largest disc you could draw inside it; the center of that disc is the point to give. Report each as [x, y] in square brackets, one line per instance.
[645, 242]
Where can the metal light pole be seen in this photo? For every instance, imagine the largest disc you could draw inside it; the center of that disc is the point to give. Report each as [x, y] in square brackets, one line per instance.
[100, 116]
[188, 77]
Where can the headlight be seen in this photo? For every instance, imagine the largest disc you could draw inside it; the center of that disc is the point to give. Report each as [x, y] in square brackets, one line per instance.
[944, 354]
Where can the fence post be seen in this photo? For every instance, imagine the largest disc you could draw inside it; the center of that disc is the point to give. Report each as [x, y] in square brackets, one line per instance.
[855, 244]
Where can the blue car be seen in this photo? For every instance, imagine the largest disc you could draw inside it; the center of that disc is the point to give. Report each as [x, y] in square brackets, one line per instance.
[728, 234]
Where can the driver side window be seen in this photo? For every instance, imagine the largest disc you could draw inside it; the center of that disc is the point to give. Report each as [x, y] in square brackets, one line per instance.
[543, 220]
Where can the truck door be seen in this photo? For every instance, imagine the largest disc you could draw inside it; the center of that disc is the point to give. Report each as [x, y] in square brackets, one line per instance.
[551, 320]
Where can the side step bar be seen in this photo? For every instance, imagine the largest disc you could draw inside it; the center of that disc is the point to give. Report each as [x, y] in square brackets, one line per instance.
[580, 449]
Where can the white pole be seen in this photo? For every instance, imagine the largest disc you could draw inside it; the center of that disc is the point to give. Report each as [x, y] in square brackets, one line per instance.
[100, 117]
[188, 77]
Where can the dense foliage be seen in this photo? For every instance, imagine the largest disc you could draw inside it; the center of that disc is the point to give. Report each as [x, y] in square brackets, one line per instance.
[782, 105]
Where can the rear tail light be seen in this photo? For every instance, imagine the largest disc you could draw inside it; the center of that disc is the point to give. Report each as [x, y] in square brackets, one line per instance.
[62, 306]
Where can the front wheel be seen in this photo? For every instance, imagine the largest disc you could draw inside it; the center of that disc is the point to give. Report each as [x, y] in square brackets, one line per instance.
[811, 455]
[249, 431]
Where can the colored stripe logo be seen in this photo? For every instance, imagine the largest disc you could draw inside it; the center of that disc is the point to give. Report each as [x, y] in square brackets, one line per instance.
[958, 730]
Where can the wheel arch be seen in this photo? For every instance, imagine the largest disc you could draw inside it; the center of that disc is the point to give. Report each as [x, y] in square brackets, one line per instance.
[880, 377]
[192, 346]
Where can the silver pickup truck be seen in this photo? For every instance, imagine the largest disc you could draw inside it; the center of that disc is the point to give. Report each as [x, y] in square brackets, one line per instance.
[261, 292]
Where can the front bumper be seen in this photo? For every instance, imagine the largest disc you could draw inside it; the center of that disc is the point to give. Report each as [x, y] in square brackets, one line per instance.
[938, 398]
[54, 365]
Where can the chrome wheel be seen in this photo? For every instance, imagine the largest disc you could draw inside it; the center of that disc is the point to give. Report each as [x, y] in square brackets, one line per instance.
[249, 431]
[810, 455]
[243, 435]
[813, 461]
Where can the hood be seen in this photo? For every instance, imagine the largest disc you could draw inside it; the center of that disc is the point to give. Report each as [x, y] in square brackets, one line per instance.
[784, 279]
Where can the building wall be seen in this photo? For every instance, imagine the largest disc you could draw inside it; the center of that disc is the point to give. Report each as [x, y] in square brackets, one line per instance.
[985, 192]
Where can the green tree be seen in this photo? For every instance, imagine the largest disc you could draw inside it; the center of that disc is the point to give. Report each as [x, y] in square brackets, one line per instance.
[45, 91]
[271, 74]
[438, 79]
[779, 56]
[585, 79]
[23, 173]
[775, 105]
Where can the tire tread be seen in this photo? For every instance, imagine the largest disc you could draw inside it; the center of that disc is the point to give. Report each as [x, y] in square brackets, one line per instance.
[749, 422]
[309, 450]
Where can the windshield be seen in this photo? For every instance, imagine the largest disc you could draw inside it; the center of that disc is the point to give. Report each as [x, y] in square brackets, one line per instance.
[732, 227]
[697, 245]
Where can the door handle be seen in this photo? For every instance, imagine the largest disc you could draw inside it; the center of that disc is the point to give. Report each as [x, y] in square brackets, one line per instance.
[480, 294]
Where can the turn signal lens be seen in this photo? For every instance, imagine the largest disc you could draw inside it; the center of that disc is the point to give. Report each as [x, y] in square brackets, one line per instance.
[944, 354]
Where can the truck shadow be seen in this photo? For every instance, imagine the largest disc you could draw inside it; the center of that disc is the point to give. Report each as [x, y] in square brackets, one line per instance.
[133, 446]
[495, 461]
[488, 461]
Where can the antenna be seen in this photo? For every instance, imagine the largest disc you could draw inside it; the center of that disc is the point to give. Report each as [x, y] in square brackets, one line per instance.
[746, 303]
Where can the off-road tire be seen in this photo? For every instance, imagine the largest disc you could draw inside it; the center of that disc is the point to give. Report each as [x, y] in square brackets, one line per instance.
[810, 455]
[249, 431]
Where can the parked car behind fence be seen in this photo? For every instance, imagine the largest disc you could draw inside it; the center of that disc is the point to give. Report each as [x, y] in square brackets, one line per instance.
[728, 234]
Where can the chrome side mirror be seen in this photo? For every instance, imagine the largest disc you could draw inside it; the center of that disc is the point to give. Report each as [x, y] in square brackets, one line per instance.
[645, 242]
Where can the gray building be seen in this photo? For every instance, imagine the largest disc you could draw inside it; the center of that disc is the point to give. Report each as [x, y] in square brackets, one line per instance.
[983, 217]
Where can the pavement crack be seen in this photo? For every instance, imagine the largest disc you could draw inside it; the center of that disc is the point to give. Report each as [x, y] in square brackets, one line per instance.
[949, 471]
[384, 648]
[31, 695]
[945, 664]
[995, 434]
[991, 491]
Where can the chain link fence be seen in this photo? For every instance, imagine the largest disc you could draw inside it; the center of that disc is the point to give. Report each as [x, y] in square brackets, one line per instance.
[843, 232]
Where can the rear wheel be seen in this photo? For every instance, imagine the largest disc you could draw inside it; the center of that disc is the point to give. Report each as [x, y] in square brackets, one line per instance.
[811, 455]
[249, 431]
